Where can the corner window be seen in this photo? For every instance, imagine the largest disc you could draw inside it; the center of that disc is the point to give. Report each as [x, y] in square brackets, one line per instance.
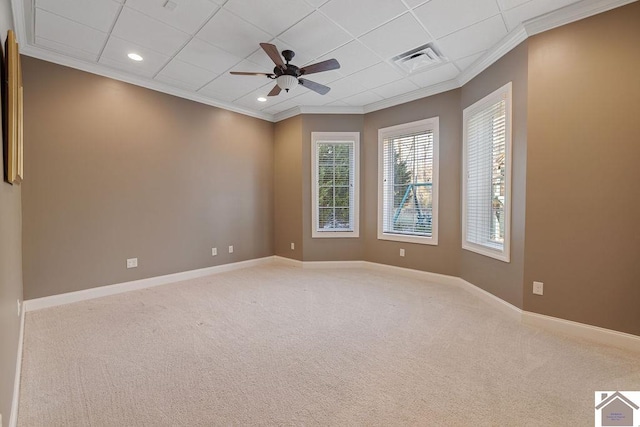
[335, 184]
[486, 186]
[408, 182]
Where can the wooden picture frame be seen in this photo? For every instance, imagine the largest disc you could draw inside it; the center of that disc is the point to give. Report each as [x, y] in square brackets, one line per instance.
[13, 117]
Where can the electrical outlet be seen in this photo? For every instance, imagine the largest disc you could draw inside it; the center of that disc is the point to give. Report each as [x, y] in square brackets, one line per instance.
[214, 251]
[231, 249]
[19, 307]
[132, 262]
[293, 246]
[401, 252]
[538, 288]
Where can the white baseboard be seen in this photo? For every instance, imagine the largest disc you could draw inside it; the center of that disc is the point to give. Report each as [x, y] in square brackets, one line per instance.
[552, 324]
[13, 418]
[101, 291]
[595, 334]
[579, 330]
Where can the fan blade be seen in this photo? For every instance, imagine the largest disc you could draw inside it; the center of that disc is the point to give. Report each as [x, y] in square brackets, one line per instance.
[329, 64]
[316, 87]
[275, 91]
[273, 53]
[247, 73]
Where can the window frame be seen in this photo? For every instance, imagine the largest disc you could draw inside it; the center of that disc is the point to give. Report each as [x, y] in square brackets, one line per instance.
[344, 138]
[503, 93]
[433, 125]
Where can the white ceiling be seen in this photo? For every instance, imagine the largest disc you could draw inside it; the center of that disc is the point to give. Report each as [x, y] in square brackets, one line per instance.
[190, 50]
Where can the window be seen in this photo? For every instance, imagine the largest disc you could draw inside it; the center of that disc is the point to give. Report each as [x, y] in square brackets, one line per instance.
[335, 184]
[408, 182]
[486, 186]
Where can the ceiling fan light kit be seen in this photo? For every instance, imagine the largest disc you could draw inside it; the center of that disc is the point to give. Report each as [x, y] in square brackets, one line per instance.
[288, 76]
[287, 82]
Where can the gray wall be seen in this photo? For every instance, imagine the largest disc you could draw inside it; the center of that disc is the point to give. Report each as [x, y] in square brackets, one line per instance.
[288, 188]
[583, 199]
[10, 263]
[442, 258]
[504, 279]
[116, 171]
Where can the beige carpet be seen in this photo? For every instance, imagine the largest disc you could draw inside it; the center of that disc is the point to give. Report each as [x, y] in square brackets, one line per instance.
[278, 345]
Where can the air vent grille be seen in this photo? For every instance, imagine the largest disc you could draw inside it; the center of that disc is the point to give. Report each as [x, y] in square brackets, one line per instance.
[419, 59]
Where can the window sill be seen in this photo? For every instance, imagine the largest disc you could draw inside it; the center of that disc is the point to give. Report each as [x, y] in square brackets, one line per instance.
[433, 240]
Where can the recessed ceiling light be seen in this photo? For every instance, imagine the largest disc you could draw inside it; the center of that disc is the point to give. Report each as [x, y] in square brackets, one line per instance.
[262, 99]
[135, 57]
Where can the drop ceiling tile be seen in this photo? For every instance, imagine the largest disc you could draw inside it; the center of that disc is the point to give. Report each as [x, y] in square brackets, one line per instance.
[361, 99]
[188, 16]
[352, 57]
[142, 30]
[207, 56]
[98, 14]
[377, 75]
[66, 50]
[115, 55]
[250, 100]
[68, 33]
[273, 16]
[194, 77]
[346, 87]
[315, 35]
[234, 87]
[533, 9]
[396, 37]
[440, 74]
[442, 17]
[232, 34]
[360, 16]
[415, 3]
[309, 97]
[473, 39]
[398, 87]
[338, 104]
[465, 62]
[510, 4]
[176, 83]
[285, 105]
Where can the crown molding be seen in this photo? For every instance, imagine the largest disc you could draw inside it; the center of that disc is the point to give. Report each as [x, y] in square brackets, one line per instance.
[412, 96]
[56, 58]
[510, 41]
[563, 16]
[571, 13]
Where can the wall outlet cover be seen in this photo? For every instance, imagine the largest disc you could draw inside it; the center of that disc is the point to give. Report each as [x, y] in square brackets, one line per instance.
[132, 262]
[293, 246]
[214, 251]
[230, 249]
[538, 288]
[401, 252]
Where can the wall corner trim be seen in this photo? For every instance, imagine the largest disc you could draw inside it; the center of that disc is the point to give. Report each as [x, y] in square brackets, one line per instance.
[13, 417]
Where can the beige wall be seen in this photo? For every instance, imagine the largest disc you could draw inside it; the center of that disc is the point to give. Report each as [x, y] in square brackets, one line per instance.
[327, 249]
[583, 196]
[10, 262]
[288, 188]
[442, 258]
[504, 279]
[117, 171]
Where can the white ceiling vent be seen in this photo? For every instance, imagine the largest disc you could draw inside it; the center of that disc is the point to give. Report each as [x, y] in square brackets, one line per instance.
[419, 59]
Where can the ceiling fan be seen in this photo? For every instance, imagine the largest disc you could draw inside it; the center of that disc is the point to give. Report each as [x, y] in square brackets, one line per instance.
[288, 76]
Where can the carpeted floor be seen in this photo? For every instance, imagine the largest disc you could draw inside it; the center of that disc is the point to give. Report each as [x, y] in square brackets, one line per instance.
[279, 345]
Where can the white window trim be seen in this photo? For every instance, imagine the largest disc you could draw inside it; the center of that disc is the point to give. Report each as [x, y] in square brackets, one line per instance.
[353, 137]
[431, 124]
[505, 92]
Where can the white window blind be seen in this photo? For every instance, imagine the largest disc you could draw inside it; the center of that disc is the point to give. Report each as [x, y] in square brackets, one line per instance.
[335, 189]
[409, 182]
[487, 170]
